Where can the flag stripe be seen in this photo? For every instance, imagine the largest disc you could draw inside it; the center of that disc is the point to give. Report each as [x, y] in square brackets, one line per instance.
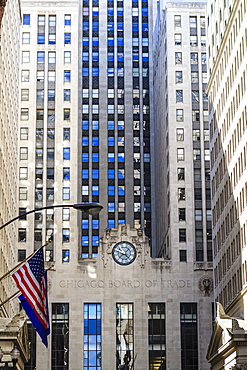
[27, 284]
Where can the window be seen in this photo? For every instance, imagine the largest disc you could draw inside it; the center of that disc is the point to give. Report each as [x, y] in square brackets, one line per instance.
[50, 154]
[67, 19]
[40, 57]
[206, 154]
[52, 21]
[26, 37]
[179, 96]
[194, 77]
[181, 173]
[50, 193]
[67, 38]
[178, 77]
[66, 133]
[180, 134]
[66, 114]
[66, 94]
[66, 193]
[177, 20]
[193, 58]
[67, 57]
[195, 96]
[38, 173]
[23, 173]
[40, 76]
[195, 115]
[41, 38]
[51, 115]
[24, 133]
[196, 135]
[24, 114]
[67, 76]
[180, 154]
[65, 255]
[178, 39]
[51, 76]
[182, 255]
[60, 335]
[41, 20]
[40, 95]
[178, 58]
[38, 194]
[25, 57]
[181, 193]
[23, 153]
[66, 214]
[24, 75]
[21, 254]
[66, 235]
[197, 174]
[124, 319]
[40, 114]
[198, 215]
[66, 153]
[157, 335]
[182, 235]
[199, 244]
[22, 193]
[51, 95]
[181, 214]
[66, 173]
[22, 235]
[197, 154]
[206, 135]
[179, 115]
[26, 20]
[92, 334]
[189, 338]
[193, 40]
[50, 173]
[51, 57]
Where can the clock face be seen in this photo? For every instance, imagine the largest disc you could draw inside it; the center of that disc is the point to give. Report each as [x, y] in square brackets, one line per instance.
[124, 253]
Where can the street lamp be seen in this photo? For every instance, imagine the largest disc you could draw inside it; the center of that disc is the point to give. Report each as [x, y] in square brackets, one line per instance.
[14, 353]
[89, 208]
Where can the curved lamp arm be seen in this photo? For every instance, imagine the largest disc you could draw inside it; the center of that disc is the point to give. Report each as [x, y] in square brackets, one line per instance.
[90, 208]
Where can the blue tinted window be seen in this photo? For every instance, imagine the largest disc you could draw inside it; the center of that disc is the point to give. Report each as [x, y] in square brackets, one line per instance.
[95, 57]
[135, 56]
[95, 125]
[120, 12]
[95, 173]
[26, 19]
[95, 41]
[95, 224]
[95, 26]
[144, 12]
[85, 26]
[67, 38]
[121, 190]
[111, 190]
[135, 26]
[66, 76]
[85, 56]
[110, 141]
[41, 57]
[145, 57]
[85, 125]
[85, 173]
[110, 26]
[95, 190]
[110, 125]
[110, 41]
[95, 141]
[120, 26]
[67, 19]
[144, 26]
[111, 57]
[95, 157]
[85, 71]
[120, 41]
[120, 174]
[120, 157]
[121, 222]
[110, 157]
[92, 335]
[95, 71]
[95, 240]
[85, 41]
[85, 157]
[111, 207]
[66, 153]
[120, 57]
[85, 141]
[111, 223]
[84, 240]
[84, 224]
[41, 38]
[111, 174]
[110, 11]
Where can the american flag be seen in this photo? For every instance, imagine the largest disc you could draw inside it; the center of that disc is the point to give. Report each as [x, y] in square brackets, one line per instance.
[31, 280]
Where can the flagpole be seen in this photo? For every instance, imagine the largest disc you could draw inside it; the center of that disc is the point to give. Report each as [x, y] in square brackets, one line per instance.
[20, 263]
[8, 299]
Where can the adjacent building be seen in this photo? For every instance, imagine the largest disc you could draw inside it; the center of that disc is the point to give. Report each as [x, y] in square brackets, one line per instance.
[227, 66]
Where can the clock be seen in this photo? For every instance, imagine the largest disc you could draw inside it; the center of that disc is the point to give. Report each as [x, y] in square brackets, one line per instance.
[124, 253]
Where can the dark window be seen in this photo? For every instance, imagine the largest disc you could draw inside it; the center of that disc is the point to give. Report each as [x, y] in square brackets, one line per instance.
[182, 235]
[181, 214]
[189, 339]
[60, 336]
[21, 254]
[22, 235]
[183, 255]
[157, 335]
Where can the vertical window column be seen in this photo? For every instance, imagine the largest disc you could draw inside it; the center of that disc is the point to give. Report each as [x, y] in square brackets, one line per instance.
[92, 336]
[156, 336]
[124, 336]
[189, 336]
[60, 336]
